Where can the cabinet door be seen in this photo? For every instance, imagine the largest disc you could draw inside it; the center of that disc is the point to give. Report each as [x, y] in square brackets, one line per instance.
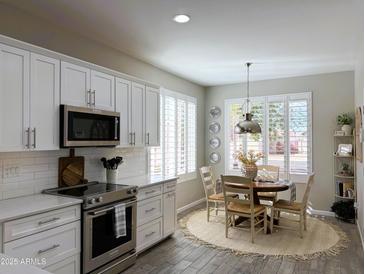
[123, 91]
[75, 85]
[44, 102]
[169, 213]
[137, 113]
[14, 98]
[102, 90]
[152, 117]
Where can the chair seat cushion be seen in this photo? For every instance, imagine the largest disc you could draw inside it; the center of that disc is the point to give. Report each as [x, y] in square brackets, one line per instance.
[267, 195]
[244, 208]
[220, 196]
[284, 204]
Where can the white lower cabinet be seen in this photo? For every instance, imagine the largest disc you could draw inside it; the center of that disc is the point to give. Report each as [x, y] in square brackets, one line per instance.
[156, 214]
[59, 245]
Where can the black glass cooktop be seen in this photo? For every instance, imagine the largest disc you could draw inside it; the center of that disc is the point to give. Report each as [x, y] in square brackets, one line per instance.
[87, 189]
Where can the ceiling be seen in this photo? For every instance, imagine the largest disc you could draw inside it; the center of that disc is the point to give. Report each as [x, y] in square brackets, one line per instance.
[284, 37]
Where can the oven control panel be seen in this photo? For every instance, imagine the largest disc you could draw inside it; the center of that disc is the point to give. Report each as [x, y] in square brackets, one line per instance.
[109, 197]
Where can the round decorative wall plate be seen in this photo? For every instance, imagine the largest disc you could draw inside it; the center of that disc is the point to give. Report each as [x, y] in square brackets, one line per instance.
[215, 112]
[215, 142]
[214, 127]
[214, 158]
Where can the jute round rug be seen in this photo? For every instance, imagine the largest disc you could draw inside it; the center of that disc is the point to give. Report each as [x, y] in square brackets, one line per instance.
[321, 237]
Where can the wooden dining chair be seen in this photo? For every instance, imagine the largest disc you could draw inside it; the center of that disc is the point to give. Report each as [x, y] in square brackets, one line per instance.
[242, 207]
[211, 194]
[273, 171]
[297, 208]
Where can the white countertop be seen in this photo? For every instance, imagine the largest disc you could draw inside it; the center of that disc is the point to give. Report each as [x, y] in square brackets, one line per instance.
[146, 181]
[18, 268]
[33, 204]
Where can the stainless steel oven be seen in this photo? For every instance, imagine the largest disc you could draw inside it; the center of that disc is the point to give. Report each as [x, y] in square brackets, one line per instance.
[100, 245]
[80, 127]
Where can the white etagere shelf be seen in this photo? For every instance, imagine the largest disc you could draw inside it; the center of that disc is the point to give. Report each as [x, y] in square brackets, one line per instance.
[339, 160]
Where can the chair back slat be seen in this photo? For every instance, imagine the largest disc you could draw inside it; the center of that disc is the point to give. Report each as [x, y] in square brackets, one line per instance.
[227, 190]
[206, 175]
[273, 171]
[307, 190]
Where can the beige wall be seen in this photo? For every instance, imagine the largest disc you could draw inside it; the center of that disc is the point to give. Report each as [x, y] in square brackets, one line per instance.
[331, 94]
[19, 25]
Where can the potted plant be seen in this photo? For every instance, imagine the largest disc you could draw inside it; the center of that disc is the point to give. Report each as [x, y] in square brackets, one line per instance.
[111, 167]
[345, 120]
[248, 161]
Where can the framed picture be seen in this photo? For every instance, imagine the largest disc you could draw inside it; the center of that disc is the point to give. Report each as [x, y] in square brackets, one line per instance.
[344, 150]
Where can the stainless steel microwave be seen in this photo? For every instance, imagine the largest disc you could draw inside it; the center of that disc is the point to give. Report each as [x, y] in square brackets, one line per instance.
[87, 127]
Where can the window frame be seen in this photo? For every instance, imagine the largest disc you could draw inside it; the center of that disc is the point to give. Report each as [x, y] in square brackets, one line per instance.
[187, 176]
[296, 177]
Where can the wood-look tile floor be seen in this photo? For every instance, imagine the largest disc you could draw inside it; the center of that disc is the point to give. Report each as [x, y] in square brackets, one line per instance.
[180, 255]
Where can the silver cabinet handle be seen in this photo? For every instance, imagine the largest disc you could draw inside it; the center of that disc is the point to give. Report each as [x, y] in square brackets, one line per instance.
[149, 210]
[34, 138]
[150, 234]
[131, 136]
[48, 249]
[134, 138]
[116, 128]
[148, 138]
[170, 194]
[27, 131]
[150, 192]
[93, 93]
[88, 97]
[48, 221]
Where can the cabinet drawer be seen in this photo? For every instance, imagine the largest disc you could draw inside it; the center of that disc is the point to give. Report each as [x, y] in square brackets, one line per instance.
[149, 234]
[149, 209]
[169, 186]
[53, 245]
[29, 225]
[70, 265]
[149, 192]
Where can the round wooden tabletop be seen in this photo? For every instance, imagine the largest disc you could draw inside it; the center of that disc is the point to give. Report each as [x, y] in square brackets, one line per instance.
[262, 186]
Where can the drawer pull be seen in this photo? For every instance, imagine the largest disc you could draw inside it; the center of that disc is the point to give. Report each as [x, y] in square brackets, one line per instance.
[48, 249]
[170, 194]
[149, 210]
[150, 192]
[150, 234]
[48, 221]
[170, 186]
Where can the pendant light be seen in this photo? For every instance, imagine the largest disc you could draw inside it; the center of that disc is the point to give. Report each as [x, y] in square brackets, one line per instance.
[247, 125]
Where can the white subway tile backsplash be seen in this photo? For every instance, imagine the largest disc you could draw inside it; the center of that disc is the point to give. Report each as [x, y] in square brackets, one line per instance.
[34, 171]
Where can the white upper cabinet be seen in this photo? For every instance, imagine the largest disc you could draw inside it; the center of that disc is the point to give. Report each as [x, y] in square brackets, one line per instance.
[14, 98]
[152, 116]
[102, 90]
[137, 114]
[75, 85]
[123, 92]
[44, 102]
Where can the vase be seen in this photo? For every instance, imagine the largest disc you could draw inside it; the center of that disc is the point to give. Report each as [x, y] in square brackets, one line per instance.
[111, 176]
[347, 129]
[250, 171]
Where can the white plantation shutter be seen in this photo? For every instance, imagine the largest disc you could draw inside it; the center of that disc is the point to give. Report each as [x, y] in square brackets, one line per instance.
[176, 155]
[286, 138]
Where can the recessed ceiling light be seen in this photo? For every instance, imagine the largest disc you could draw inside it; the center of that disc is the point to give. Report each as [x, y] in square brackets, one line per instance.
[181, 18]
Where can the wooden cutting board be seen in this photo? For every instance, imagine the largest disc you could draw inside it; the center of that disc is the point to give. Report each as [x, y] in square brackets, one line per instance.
[71, 170]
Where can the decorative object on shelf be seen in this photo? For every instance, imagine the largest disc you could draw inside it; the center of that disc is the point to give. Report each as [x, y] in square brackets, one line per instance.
[345, 120]
[248, 161]
[215, 143]
[215, 112]
[344, 210]
[111, 167]
[359, 133]
[344, 150]
[247, 125]
[214, 128]
[339, 133]
[345, 170]
[214, 158]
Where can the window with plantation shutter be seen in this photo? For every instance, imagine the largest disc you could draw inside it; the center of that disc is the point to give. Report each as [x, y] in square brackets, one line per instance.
[176, 155]
[286, 138]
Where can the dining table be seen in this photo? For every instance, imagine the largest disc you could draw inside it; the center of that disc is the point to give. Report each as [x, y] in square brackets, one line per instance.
[259, 186]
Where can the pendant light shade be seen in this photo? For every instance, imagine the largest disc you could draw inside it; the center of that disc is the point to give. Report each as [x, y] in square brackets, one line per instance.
[247, 125]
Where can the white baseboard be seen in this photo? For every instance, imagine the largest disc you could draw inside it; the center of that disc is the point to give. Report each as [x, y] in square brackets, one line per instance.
[360, 233]
[186, 207]
[321, 212]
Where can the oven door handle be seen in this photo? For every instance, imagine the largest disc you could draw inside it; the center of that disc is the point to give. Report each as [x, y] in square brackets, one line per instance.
[94, 213]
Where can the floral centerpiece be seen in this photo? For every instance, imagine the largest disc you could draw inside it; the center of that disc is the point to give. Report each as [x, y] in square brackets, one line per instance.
[248, 161]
